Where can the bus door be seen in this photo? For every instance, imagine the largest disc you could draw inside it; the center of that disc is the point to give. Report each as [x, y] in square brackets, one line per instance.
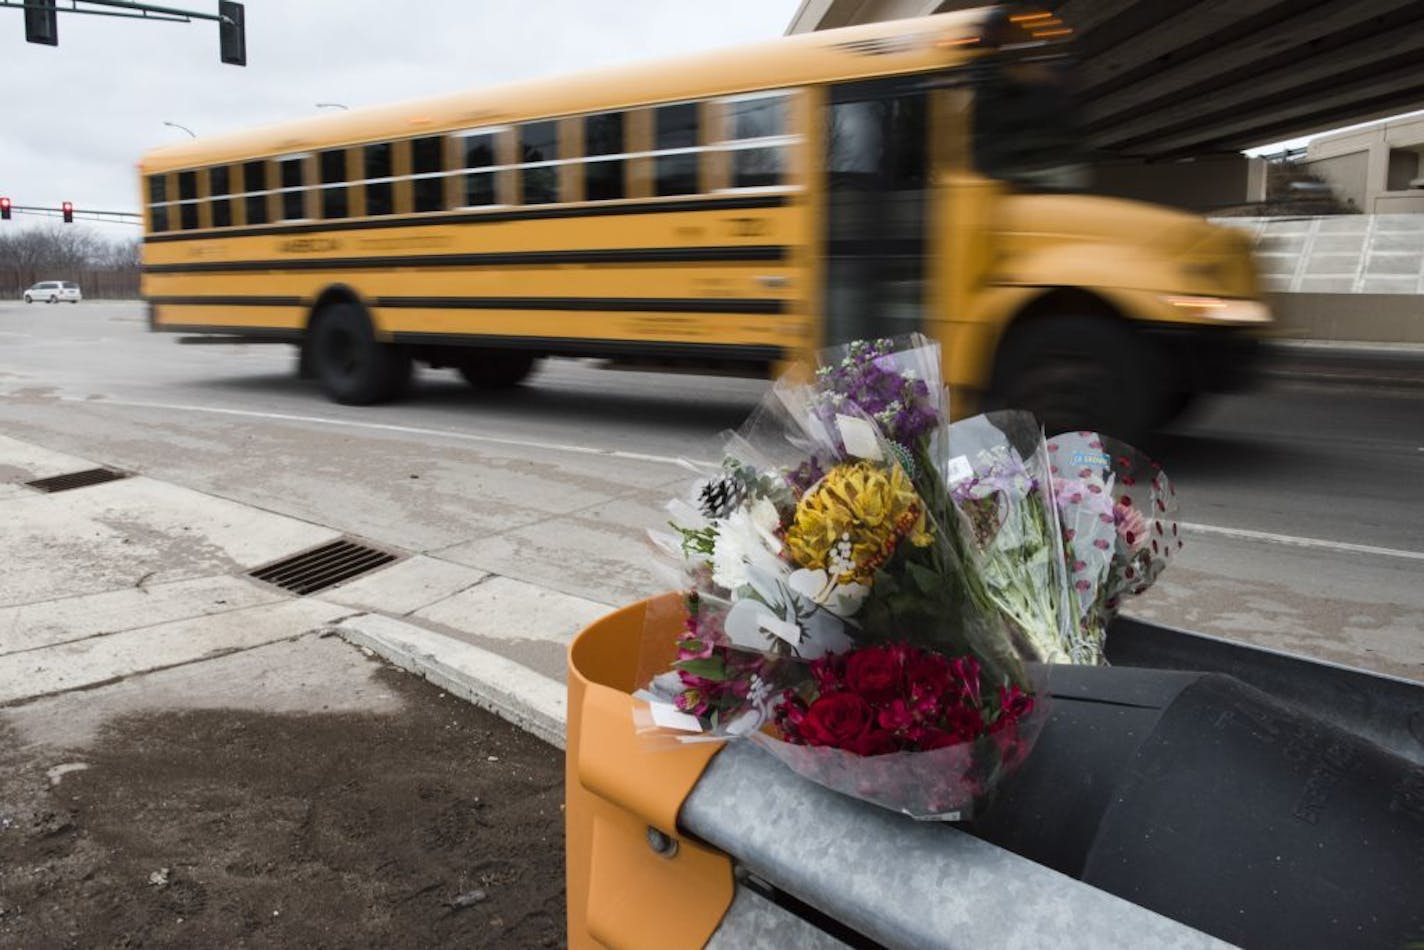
[877, 199]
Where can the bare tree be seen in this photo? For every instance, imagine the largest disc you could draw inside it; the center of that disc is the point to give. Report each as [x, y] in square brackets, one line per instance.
[101, 267]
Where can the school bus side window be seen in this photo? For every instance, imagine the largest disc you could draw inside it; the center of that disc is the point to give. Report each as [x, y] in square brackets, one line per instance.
[603, 177]
[427, 165]
[539, 161]
[332, 166]
[478, 151]
[756, 135]
[219, 190]
[378, 171]
[254, 184]
[675, 152]
[188, 200]
[158, 202]
[292, 193]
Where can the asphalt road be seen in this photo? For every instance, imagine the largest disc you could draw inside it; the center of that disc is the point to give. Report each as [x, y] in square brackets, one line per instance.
[1303, 505]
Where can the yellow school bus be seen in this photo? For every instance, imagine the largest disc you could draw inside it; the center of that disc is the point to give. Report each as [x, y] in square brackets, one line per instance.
[729, 211]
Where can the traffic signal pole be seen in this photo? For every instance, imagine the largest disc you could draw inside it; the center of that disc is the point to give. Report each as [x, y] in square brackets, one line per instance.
[69, 213]
[42, 26]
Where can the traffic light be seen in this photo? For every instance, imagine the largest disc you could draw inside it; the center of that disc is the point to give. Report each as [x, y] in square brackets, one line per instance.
[42, 22]
[68, 209]
[232, 33]
[4, 209]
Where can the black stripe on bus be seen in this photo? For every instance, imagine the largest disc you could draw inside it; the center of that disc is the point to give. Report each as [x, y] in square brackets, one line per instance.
[228, 301]
[256, 333]
[575, 346]
[622, 304]
[733, 203]
[649, 255]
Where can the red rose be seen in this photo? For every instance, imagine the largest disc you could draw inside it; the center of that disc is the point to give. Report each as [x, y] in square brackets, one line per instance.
[875, 672]
[927, 678]
[836, 720]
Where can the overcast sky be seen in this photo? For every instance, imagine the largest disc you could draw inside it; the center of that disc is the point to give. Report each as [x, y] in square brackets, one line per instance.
[78, 116]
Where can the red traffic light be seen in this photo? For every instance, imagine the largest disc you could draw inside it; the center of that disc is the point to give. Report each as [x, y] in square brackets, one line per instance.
[4, 209]
[68, 209]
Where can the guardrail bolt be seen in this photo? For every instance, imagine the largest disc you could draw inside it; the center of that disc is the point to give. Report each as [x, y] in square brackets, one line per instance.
[661, 844]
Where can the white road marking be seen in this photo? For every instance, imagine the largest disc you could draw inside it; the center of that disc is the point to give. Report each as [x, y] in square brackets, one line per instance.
[385, 427]
[1293, 541]
[1206, 530]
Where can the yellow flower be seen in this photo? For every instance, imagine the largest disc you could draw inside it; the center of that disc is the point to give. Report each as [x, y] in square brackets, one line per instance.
[850, 522]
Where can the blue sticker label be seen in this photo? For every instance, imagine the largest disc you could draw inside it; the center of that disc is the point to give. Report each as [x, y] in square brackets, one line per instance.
[1091, 458]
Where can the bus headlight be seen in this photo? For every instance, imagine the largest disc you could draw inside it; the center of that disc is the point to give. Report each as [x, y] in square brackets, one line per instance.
[1224, 309]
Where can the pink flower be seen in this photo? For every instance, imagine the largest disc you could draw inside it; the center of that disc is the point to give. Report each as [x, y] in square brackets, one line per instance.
[928, 677]
[896, 716]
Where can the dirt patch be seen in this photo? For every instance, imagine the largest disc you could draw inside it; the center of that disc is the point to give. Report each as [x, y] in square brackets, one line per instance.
[438, 826]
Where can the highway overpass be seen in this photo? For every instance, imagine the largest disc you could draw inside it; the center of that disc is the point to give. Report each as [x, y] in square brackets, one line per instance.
[1165, 79]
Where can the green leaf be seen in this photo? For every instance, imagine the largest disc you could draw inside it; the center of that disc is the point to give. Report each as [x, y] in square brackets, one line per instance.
[709, 668]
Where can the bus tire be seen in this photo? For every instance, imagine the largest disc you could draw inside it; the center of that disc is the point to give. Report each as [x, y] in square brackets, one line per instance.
[495, 369]
[1079, 372]
[1177, 407]
[352, 366]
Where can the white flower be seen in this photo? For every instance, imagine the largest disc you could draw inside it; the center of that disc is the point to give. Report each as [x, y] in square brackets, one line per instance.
[742, 543]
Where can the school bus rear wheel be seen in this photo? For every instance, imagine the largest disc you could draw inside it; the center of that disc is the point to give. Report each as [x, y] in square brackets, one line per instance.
[352, 366]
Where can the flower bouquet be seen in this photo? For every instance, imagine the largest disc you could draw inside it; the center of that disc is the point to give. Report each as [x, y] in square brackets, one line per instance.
[1001, 490]
[1119, 517]
[830, 613]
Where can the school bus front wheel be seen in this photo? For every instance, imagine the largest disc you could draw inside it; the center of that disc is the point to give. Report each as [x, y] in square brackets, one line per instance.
[1080, 371]
[352, 366]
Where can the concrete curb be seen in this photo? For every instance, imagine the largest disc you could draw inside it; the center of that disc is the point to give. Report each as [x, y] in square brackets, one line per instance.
[1362, 364]
[515, 693]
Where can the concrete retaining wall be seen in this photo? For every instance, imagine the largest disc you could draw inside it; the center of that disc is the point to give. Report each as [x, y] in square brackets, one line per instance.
[1360, 318]
[1352, 277]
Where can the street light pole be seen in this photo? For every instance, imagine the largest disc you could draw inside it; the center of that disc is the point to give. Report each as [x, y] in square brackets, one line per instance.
[183, 127]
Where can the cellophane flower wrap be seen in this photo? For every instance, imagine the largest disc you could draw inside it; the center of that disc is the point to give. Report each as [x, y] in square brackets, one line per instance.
[827, 610]
[1000, 488]
[1120, 524]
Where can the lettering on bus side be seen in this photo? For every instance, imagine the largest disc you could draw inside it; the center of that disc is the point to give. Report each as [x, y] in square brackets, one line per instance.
[308, 245]
[749, 227]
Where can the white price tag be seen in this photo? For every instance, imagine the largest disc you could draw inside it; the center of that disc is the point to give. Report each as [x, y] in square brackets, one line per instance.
[670, 717]
[859, 438]
[958, 470]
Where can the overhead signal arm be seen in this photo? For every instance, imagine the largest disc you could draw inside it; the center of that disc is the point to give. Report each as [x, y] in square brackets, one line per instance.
[42, 16]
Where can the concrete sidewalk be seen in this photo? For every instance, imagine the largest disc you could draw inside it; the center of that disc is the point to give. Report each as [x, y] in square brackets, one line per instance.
[118, 580]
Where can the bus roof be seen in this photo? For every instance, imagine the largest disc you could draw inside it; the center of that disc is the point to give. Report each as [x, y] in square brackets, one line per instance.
[876, 49]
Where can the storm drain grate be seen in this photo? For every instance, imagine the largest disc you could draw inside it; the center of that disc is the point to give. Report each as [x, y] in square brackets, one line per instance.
[322, 567]
[93, 476]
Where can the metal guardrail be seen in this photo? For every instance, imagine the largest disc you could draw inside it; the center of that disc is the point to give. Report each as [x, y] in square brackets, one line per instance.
[901, 883]
[852, 874]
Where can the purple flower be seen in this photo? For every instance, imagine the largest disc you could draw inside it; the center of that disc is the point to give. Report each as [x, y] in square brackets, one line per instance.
[869, 378]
